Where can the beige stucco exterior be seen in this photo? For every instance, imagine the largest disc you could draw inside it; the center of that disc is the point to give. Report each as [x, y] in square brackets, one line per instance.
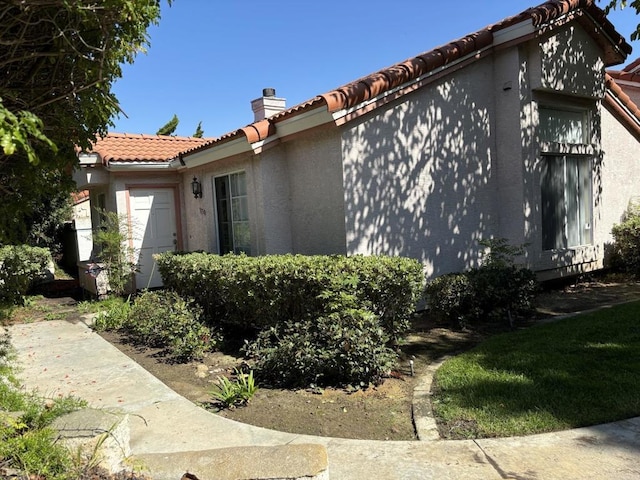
[426, 170]
[430, 174]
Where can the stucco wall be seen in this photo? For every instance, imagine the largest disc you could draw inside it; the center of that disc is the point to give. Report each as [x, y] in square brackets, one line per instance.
[419, 175]
[317, 193]
[200, 213]
[564, 67]
[620, 176]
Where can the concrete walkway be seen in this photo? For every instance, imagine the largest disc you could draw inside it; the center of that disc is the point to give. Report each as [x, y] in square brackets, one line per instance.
[63, 358]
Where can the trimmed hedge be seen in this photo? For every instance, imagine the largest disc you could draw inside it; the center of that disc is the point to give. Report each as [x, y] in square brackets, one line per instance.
[20, 267]
[262, 292]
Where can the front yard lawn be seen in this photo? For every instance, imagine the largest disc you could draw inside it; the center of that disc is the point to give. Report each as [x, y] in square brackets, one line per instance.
[575, 372]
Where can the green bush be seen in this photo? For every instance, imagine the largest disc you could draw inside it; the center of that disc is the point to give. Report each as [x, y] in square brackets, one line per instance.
[499, 289]
[344, 346]
[163, 320]
[263, 292]
[20, 267]
[627, 241]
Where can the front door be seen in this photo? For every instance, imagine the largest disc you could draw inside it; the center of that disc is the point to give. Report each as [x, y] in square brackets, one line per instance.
[153, 224]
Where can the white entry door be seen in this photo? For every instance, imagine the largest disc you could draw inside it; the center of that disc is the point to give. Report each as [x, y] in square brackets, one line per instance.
[153, 222]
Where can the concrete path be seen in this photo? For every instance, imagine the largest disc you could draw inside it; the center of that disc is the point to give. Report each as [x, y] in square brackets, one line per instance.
[62, 358]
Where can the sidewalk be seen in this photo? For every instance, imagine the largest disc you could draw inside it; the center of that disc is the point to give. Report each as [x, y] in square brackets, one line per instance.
[63, 358]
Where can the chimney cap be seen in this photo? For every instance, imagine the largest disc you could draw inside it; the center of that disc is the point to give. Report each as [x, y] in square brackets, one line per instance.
[268, 92]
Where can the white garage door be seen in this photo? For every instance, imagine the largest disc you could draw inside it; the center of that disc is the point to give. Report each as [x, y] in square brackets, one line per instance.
[153, 220]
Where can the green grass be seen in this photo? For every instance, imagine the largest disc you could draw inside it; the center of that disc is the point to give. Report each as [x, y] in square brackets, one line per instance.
[575, 372]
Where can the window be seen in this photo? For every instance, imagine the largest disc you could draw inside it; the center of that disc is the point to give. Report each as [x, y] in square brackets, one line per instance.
[233, 213]
[566, 178]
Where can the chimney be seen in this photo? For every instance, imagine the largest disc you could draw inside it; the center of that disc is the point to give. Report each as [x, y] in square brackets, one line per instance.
[267, 105]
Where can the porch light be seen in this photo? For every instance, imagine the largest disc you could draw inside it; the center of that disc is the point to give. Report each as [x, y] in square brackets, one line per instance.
[196, 188]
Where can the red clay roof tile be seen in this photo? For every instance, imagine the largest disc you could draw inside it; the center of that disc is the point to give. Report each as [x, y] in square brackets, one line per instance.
[384, 80]
[126, 147]
[630, 114]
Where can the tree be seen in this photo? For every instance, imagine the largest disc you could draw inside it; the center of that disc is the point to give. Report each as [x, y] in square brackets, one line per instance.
[169, 127]
[58, 61]
[199, 132]
[614, 4]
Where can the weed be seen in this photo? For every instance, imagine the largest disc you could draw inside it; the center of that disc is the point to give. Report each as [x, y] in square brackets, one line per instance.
[230, 393]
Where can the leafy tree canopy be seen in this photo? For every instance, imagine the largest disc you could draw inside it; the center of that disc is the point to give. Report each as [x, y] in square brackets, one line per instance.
[58, 61]
[614, 4]
[169, 127]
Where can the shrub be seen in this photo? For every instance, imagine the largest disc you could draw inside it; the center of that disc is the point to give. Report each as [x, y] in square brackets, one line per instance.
[20, 267]
[114, 315]
[263, 292]
[498, 289]
[346, 345]
[627, 241]
[164, 320]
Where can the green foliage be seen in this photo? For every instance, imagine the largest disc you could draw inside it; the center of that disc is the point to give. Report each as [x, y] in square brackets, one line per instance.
[36, 453]
[499, 289]
[162, 320]
[26, 442]
[614, 4]
[344, 346]
[262, 292]
[627, 241]
[18, 130]
[230, 393]
[199, 132]
[169, 127]
[20, 267]
[114, 314]
[113, 238]
[55, 91]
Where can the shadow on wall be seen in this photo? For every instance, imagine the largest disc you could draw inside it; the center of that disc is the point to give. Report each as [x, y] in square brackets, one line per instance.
[419, 176]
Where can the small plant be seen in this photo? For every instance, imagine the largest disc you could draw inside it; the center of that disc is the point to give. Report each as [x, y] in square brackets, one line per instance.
[112, 237]
[114, 314]
[231, 393]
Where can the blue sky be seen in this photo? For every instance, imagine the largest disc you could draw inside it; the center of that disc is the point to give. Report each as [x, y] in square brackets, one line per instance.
[208, 59]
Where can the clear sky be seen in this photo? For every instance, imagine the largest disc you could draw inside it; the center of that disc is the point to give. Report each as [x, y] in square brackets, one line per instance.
[209, 58]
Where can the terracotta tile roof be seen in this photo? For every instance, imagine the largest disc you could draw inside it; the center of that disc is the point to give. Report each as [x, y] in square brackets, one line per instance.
[622, 105]
[126, 147]
[371, 86]
[79, 197]
[630, 73]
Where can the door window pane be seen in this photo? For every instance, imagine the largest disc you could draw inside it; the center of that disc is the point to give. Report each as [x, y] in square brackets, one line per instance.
[234, 234]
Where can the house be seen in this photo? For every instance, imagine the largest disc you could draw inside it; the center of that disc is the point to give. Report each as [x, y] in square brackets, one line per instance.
[134, 176]
[515, 131]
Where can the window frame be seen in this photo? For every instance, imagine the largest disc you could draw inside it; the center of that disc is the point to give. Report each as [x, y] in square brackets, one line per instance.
[230, 197]
[569, 154]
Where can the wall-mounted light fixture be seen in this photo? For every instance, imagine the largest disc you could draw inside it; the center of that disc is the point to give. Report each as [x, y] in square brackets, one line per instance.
[196, 188]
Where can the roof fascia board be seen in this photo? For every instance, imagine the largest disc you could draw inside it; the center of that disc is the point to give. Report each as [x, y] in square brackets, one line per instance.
[628, 83]
[138, 166]
[602, 32]
[89, 159]
[622, 108]
[518, 31]
[217, 152]
[304, 121]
